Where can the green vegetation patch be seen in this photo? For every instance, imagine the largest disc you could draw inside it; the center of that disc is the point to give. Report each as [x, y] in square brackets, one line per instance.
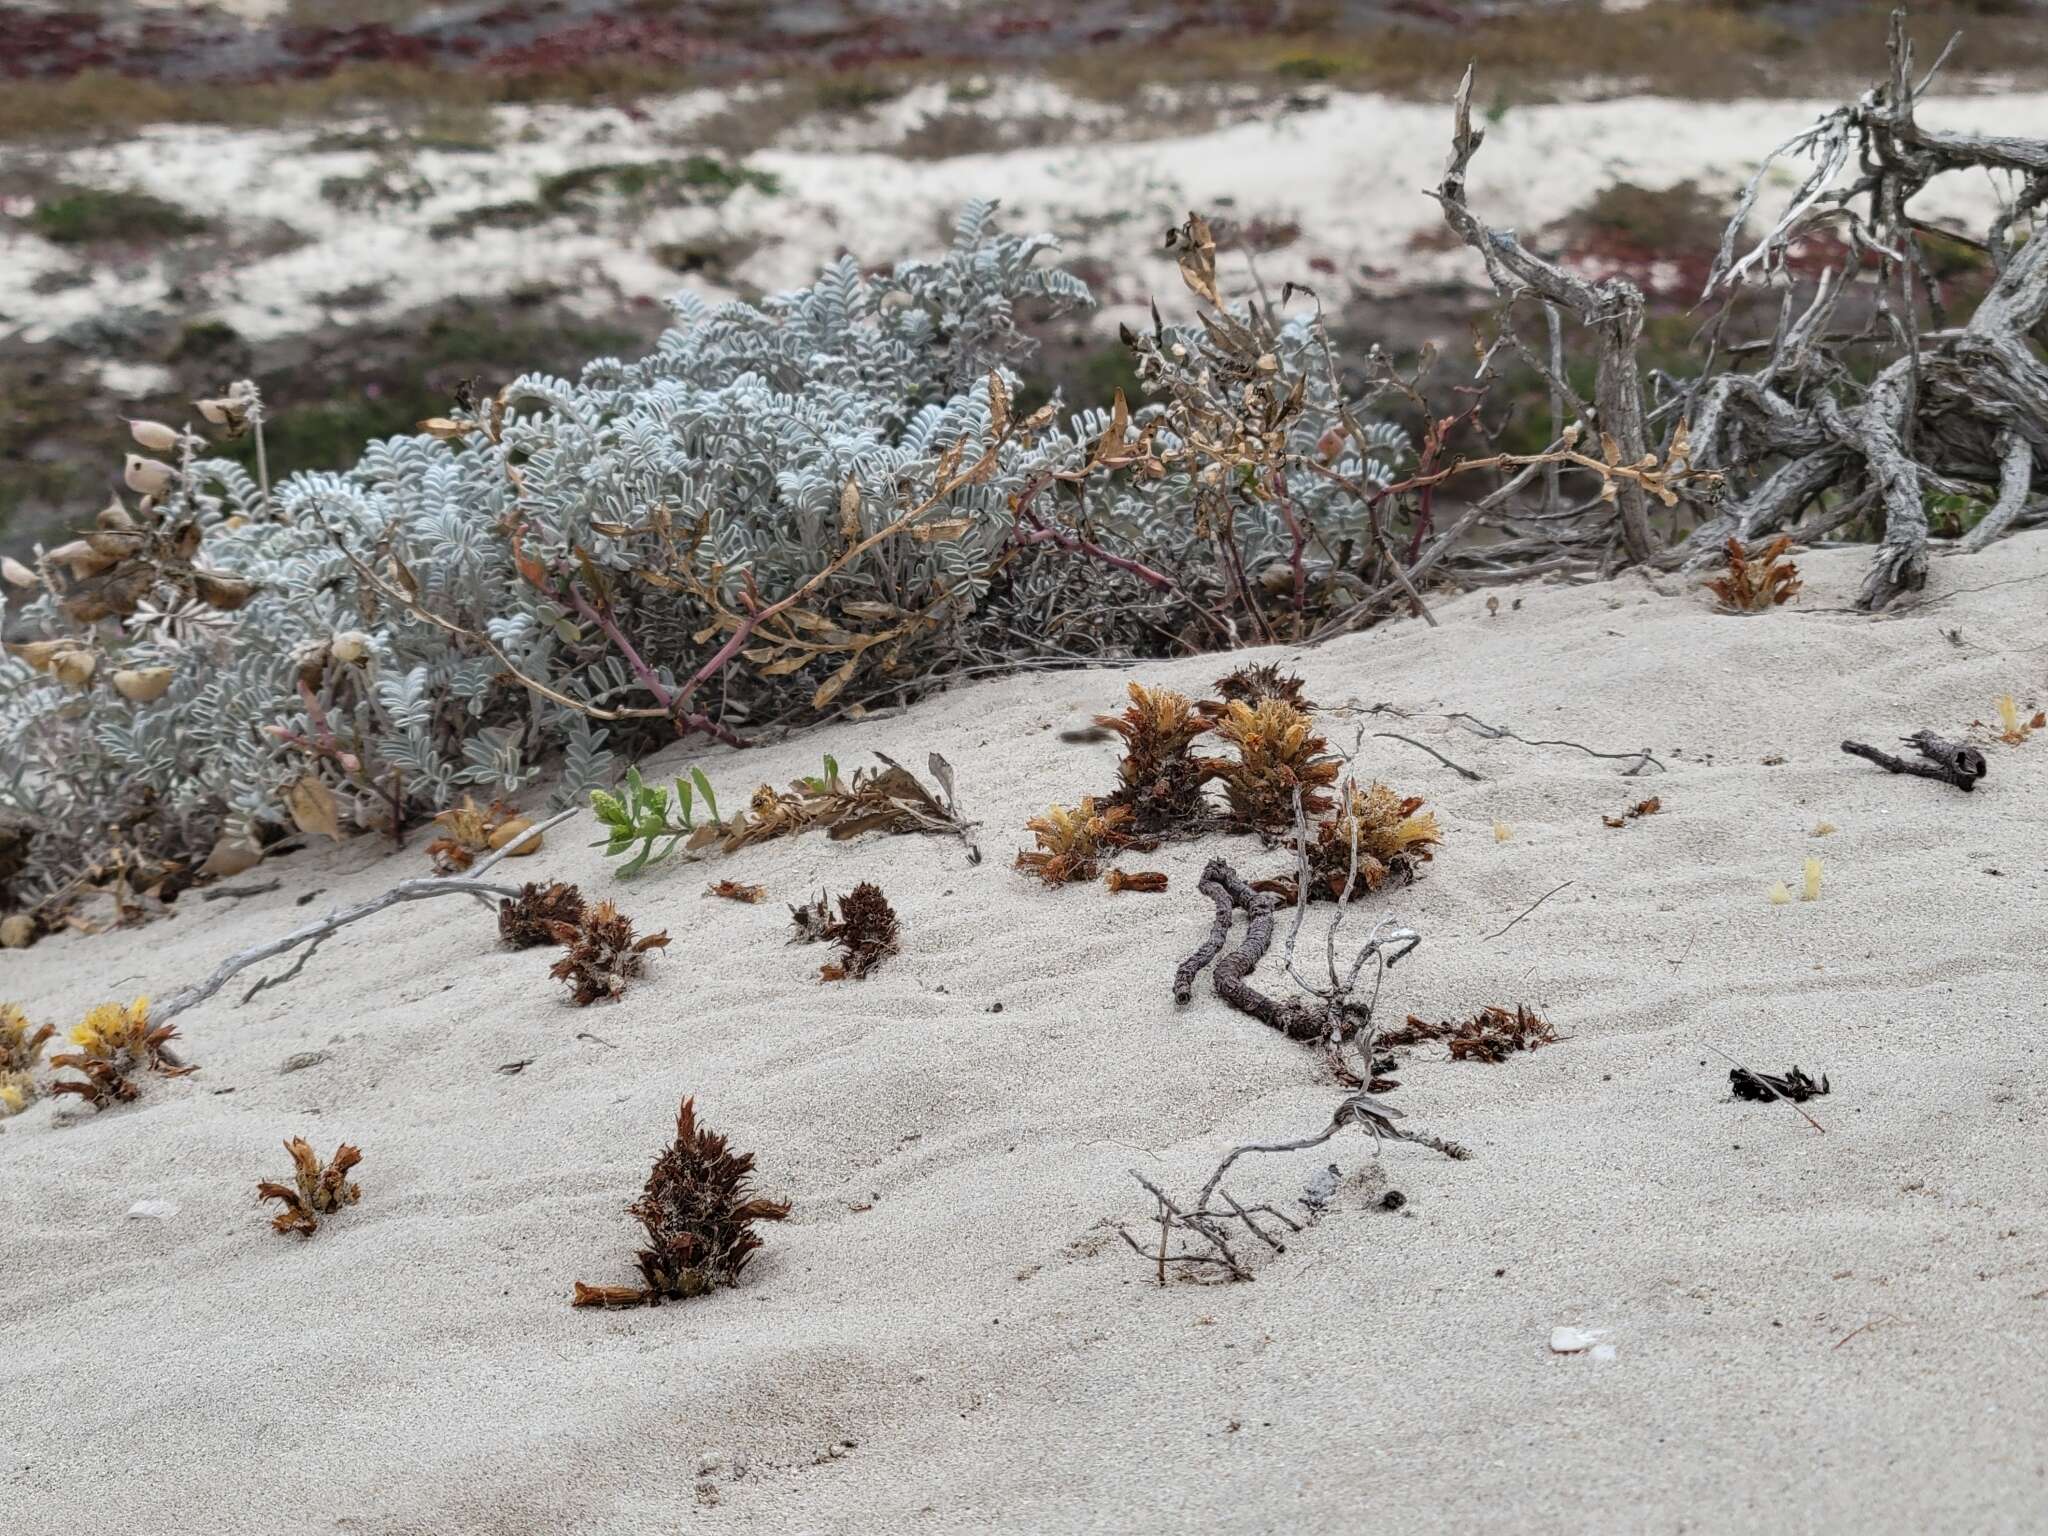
[86, 215]
[698, 179]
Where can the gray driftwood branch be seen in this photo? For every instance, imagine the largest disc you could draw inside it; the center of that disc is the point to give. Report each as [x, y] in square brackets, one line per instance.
[1794, 429]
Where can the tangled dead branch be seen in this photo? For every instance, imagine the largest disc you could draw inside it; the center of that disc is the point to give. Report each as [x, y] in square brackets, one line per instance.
[1873, 419]
[1331, 1015]
[1205, 1231]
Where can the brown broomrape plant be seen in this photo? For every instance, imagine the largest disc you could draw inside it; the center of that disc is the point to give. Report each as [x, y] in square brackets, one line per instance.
[1491, 1035]
[698, 1211]
[537, 914]
[315, 1191]
[866, 931]
[1254, 685]
[1755, 580]
[603, 953]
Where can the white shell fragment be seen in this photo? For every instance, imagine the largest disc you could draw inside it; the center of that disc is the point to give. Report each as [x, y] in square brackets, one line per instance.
[1574, 1341]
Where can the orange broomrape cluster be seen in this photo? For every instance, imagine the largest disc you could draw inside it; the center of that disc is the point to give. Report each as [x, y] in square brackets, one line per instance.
[1159, 782]
[20, 1046]
[698, 1211]
[113, 1042]
[1282, 768]
[1756, 580]
[1072, 840]
[1376, 833]
[1278, 755]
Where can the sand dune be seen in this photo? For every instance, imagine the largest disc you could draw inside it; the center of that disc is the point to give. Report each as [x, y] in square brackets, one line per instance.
[1839, 1331]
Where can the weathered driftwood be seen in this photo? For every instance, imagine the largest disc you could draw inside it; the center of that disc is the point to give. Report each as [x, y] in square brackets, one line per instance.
[1950, 409]
[1206, 1231]
[1952, 762]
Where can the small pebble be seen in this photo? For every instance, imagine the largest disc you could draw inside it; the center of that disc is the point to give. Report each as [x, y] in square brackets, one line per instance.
[154, 1210]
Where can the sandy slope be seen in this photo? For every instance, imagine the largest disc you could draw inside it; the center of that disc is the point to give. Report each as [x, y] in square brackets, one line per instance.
[996, 1357]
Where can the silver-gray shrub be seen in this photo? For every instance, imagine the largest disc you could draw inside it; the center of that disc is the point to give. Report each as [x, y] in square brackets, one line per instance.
[744, 426]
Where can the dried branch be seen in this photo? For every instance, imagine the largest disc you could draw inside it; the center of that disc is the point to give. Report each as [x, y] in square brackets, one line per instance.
[1951, 762]
[1205, 1229]
[1612, 309]
[406, 890]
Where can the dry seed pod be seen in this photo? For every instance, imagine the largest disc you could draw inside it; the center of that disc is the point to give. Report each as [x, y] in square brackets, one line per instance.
[142, 685]
[16, 574]
[153, 435]
[225, 412]
[231, 858]
[40, 653]
[83, 559]
[147, 477]
[226, 593]
[115, 543]
[75, 668]
[114, 515]
[310, 661]
[517, 827]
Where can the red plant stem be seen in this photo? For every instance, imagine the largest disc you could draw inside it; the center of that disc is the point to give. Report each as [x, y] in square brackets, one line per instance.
[1075, 544]
[685, 720]
[326, 743]
[1300, 541]
[1234, 563]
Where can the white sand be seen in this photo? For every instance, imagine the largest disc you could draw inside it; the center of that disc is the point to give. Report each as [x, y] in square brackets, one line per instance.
[995, 1355]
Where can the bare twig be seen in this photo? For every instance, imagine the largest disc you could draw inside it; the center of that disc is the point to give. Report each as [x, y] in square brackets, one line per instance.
[1463, 773]
[1528, 909]
[1204, 1225]
[1641, 759]
[1767, 1088]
